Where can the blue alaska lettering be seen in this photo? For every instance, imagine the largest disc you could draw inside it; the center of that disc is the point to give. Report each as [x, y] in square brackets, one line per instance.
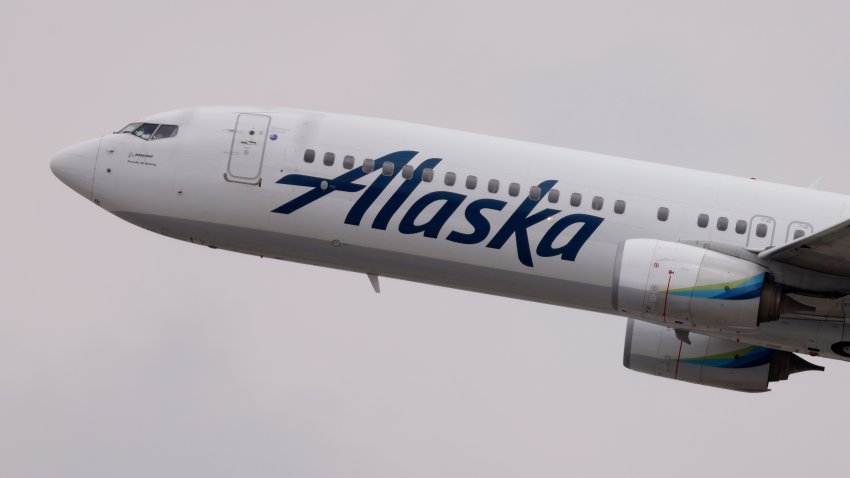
[443, 206]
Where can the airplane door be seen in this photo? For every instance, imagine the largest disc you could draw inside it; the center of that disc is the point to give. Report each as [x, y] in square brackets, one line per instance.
[247, 148]
[797, 230]
[762, 229]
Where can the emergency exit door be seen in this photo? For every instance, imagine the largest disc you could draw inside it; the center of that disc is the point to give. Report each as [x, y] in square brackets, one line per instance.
[762, 229]
[248, 148]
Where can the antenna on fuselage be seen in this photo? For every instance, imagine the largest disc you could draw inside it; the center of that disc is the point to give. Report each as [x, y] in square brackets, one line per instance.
[373, 278]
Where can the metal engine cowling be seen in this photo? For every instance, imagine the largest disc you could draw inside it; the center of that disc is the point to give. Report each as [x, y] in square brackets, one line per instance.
[686, 286]
[704, 360]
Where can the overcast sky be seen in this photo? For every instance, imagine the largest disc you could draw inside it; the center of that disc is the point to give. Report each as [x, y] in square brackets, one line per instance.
[124, 353]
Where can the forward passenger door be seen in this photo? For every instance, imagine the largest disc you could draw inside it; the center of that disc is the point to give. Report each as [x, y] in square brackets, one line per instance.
[248, 148]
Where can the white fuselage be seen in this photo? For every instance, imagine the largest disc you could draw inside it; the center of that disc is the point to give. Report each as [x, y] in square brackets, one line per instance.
[194, 187]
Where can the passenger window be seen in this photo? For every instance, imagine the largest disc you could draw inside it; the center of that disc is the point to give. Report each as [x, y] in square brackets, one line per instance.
[798, 234]
[554, 195]
[534, 193]
[663, 213]
[493, 186]
[145, 131]
[702, 220]
[428, 175]
[388, 168]
[761, 230]
[165, 131]
[407, 171]
[722, 223]
[575, 199]
[596, 204]
[741, 226]
[513, 189]
[348, 162]
[471, 182]
[368, 165]
[309, 156]
[450, 178]
[619, 206]
[329, 159]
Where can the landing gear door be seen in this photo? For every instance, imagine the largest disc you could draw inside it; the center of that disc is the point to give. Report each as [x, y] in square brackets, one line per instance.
[762, 229]
[247, 148]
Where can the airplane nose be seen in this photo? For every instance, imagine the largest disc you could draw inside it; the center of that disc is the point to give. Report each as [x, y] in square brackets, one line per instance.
[75, 165]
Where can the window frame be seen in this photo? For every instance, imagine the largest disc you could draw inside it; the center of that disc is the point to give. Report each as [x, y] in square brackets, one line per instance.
[597, 203]
[450, 179]
[620, 206]
[514, 189]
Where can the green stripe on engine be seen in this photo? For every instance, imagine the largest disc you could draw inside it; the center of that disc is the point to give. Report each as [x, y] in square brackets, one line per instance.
[719, 286]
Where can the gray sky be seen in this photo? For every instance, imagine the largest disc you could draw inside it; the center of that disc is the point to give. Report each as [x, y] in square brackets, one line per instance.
[124, 353]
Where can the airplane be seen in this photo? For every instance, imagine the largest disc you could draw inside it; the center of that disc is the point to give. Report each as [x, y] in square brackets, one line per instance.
[724, 281]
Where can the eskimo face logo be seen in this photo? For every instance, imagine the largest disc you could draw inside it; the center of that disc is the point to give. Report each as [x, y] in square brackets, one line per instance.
[516, 226]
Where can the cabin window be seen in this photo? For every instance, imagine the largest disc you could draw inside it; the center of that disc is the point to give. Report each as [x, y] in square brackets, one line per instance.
[554, 195]
[348, 161]
[619, 206]
[329, 159]
[368, 165]
[513, 189]
[761, 230]
[428, 175]
[309, 156]
[534, 193]
[798, 234]
[471, 182]
[407, 171]
[597, 202]
[663, 213]
[388, 168]
[493, 186]
[575, 199]
[450, 178]
[741, 226]
[722, 223]
[702, 220]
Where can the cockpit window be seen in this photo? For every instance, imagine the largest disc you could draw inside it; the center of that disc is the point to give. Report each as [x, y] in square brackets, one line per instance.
[145, 131]
[130, 128]
[165, 131]
[150, 131]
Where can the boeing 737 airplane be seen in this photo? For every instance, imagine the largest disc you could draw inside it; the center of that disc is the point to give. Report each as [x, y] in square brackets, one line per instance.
[723, 280]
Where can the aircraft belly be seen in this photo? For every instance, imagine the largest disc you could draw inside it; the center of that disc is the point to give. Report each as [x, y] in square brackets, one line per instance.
[388, 263]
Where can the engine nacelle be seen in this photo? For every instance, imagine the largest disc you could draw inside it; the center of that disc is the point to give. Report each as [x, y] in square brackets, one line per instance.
[712, 361]
[690, 287]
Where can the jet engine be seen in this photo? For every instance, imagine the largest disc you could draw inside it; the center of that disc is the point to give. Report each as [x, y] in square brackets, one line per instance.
[704, 360]
[691, 287]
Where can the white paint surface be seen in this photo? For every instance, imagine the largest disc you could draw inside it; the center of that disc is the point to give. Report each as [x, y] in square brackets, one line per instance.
[126, 353]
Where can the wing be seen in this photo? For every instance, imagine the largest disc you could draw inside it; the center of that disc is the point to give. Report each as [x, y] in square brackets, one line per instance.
[827, 251]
